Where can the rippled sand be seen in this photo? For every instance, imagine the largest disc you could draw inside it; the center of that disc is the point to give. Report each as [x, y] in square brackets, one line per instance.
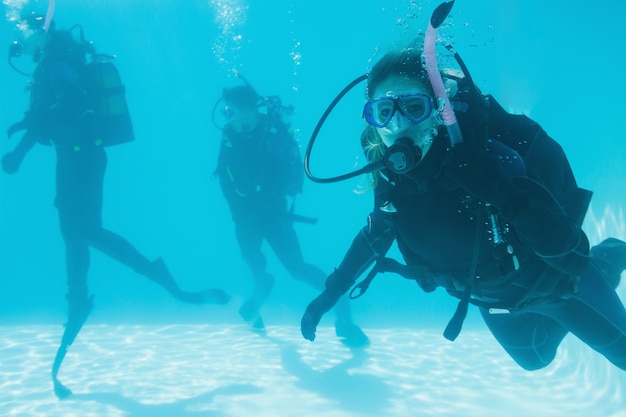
[185, 370]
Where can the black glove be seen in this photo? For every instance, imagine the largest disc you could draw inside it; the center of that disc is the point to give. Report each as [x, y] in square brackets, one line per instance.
[314, 312]
[337, 284]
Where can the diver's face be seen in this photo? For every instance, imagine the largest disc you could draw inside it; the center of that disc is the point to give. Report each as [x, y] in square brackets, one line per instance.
[31, 45]
[243, 119]
[421, 134]
[30, 38]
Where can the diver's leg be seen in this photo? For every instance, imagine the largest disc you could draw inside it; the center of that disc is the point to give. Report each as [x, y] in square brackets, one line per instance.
[75, 222]
[531, 339]
[284, 242]
[282, 238]
[597, 316]
[122, 251]
[250, 238]
[610, 258]
[79, 305]
[81, 183]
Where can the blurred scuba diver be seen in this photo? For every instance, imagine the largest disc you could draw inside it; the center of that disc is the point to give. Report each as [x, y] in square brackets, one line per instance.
[485, 206]
[79, 108]
[260, 169]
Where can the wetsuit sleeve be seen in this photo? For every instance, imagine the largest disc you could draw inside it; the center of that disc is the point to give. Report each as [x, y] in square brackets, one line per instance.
[372, 241]
[547, 162]
[547, 208]
[544, 225]
[534, 212]
[11, 161]
[37, 119]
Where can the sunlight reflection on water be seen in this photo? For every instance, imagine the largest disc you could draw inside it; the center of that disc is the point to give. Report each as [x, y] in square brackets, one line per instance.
[189, 370]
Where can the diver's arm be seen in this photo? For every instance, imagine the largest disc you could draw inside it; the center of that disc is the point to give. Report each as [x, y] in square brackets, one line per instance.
[534, 213]
[542, 223]
[371, 242]
[531, 208]
[11, 161]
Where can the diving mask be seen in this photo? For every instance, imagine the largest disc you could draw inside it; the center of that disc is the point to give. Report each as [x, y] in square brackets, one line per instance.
[415, 108]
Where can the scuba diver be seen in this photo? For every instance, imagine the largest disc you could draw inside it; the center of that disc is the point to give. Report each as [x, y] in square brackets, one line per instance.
[79, 108]
[482, 203]
[260, 170]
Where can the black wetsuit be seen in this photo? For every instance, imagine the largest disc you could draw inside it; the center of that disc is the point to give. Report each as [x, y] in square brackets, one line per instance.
[533, 285]
[61, 114]
[64, 96]
[258, 170]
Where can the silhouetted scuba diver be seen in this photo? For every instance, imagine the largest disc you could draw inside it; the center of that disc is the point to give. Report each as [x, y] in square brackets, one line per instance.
[259, 169]
[79, 108]
[482, 203]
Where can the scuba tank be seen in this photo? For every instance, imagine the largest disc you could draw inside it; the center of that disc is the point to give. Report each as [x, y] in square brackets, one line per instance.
[106, 92]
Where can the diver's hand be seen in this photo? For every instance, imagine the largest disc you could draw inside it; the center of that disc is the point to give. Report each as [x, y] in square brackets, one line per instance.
[314, 312]
[11, 162]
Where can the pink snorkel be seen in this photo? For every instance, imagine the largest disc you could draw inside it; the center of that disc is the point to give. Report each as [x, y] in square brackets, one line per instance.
[430, 61]
[49, 14]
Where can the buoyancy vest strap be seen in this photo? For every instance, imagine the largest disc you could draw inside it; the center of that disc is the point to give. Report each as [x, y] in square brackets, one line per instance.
[410, 272]
[360, 288]
[383, 265]
[453, 329]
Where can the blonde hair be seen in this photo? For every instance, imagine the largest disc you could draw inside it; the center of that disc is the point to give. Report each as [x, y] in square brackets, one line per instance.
[374, 149]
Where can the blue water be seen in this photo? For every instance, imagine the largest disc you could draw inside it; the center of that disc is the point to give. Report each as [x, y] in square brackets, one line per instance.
[560, 64]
